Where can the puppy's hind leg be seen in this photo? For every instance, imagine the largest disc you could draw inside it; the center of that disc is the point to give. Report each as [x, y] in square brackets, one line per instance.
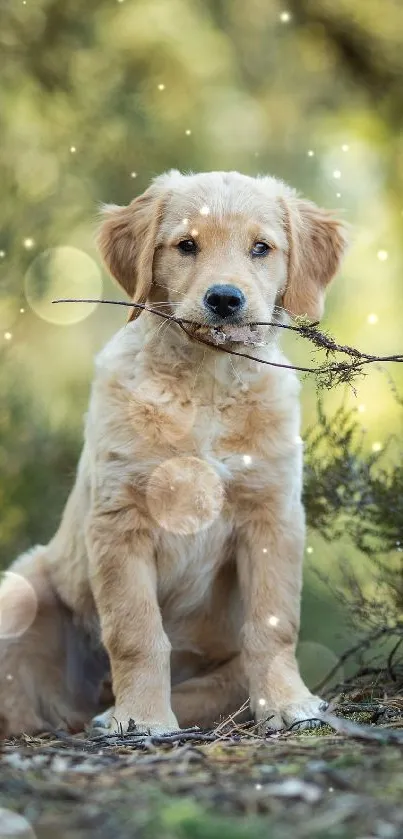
[208, 699]
[49, 678]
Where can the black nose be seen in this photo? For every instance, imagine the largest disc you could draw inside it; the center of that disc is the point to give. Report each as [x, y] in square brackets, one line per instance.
[224, 300]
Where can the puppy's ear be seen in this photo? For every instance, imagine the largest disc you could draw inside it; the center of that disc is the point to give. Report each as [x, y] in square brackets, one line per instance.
[316, 243]
[127, 242]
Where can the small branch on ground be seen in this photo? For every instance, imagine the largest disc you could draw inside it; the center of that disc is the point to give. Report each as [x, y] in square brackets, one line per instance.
[360, 731]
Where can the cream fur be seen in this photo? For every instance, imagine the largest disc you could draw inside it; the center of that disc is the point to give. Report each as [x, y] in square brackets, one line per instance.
[180, 548]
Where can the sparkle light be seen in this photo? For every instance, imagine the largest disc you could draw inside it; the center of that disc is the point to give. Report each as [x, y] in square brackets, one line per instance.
[7, 336]
[262, 702]
[204, 211]
[362, 409]
[273, 620]
[337, 174]
[264, 550]
[377, 446]
[73, 149]
[382, 255]
[258, 786]
[338, 194]
[22, 311]
[345, 147]
[285, 17]
[372, 318]
[194, 232]
[311, 153]
[185, 222]
[2, 254]
[299, 441]
[188, 132]
[28, 244]
[309, 550]
[133, 174]
[247, 459]
[161, 87]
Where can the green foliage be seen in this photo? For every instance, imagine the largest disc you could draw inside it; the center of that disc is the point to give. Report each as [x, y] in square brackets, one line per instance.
[348, 486]
[350, 491]
[37, 466]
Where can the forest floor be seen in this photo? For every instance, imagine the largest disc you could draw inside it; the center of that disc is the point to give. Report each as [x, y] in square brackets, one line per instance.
[342, 781]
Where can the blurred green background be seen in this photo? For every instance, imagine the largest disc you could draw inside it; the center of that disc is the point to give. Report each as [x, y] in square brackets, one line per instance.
[97, 98]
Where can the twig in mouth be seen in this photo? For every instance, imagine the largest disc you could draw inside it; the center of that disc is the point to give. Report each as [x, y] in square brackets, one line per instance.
[328, 373]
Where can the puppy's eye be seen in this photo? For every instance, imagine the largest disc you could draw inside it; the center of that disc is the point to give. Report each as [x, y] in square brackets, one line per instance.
[187, 246]
[260, 249]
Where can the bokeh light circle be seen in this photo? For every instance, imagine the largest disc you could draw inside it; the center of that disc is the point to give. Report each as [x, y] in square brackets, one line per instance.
[18, 605]
[185, 495]
[62, 272]
[315, 662]
[14, 826]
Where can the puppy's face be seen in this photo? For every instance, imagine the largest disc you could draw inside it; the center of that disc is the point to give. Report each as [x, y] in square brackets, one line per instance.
[222, 249]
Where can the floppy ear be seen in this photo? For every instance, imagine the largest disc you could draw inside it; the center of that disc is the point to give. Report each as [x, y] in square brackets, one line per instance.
[316, 243]
[127, 241]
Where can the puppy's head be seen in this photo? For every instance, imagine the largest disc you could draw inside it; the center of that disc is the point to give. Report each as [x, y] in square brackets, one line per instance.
[223, 249]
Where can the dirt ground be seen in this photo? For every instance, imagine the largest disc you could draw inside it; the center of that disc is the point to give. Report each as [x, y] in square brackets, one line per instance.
[342, 781]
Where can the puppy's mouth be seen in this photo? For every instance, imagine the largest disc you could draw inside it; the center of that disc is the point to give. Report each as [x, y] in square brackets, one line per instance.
[226, 334]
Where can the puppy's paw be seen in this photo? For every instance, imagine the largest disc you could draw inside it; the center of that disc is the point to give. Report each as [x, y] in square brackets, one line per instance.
[114, 722]
[101, 724]
[148, 728]
[299, 715]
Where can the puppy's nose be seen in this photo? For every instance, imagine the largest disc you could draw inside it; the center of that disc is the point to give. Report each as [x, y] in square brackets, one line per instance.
[224, 300]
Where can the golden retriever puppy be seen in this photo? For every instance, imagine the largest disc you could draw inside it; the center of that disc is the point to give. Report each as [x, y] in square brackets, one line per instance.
[176, 570]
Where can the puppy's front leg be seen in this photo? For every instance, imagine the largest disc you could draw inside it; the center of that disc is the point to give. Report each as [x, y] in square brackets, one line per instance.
[270, 572]
[124, 583]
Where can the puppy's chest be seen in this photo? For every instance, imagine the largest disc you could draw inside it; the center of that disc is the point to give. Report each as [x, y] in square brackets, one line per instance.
[223, 437]
[235, 429]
